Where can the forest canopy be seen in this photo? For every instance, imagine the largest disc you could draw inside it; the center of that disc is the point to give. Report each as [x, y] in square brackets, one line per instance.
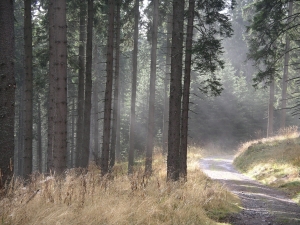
[111, 81]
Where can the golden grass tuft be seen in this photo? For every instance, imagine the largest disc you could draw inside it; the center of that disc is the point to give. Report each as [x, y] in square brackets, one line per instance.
[273, 161]
[84, 197]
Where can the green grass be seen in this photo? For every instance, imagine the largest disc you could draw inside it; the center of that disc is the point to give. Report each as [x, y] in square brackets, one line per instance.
[274, 162]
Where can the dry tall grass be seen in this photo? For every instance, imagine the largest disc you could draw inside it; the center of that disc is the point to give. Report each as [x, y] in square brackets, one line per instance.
[83, 197]
[283, 134]
[274, 161]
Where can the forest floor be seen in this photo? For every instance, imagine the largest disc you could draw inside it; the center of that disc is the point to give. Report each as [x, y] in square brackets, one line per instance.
[261, 204]
[81, 196]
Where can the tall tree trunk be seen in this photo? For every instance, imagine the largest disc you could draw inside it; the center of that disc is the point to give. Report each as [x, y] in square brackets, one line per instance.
[20, 147]
[285, 71]
[116, 109]
[186, 91]
[166, 86]
[60, 132]
[80, 102]
[96, 122]
[151, 121]
[118, 134]
[75, 117]
[175, 92]
[271, 108]
[7, 90]
[96, 69]
[133, 88]
[52, 79]
[27, 165]
[59, 137]
[39, 138]
[108, 91]
[88, 87]
[72, 136]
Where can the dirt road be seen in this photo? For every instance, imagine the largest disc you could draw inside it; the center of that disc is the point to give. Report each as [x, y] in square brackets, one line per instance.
[261, 205]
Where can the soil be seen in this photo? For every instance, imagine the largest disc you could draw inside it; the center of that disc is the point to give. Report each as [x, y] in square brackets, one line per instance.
[262, 205]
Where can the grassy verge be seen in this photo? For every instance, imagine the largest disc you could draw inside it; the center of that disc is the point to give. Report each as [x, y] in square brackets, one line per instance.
[83, 197]
[274, 161]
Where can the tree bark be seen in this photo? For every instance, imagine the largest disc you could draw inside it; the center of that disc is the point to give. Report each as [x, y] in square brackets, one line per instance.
[108, 91]
[186, 91]
[96, 122]
[81, 71]
[96, 108]
[20, 147]
[88, 87]
[285, 71]
[60, 132]
[59, 44]
[27, 165]
[52, 78]
[116, 109]
[118, 141]
[271, 108]
[166, 86]
[39, 138]
[175, 92]
[72, 136]
[7, 90]
[133, 89]
[151, 121]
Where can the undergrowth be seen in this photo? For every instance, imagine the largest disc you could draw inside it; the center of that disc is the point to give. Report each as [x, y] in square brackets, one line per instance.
[273, 161]
[84, 197]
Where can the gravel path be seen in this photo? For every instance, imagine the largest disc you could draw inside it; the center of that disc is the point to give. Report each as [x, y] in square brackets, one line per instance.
[261, 205]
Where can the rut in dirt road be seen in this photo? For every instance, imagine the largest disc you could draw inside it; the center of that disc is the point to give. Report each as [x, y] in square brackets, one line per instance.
[261, 205]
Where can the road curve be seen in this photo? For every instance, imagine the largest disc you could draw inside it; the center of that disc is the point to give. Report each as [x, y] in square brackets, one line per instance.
[261, 205]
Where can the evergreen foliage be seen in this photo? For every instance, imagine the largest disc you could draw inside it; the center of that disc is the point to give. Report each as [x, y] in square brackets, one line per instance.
[224, 108]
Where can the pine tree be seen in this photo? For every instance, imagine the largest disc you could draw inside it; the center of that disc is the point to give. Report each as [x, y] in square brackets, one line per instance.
[52, 78]
[133, 89]
[7, 90]
[285, 70]
[150, 134]
[270, 128]
[27, 165]
[207, 51]
[166, 85]
[175, 92]
[81, 72]
[39, 137]
[108, 91]
[96, 107]
[272, 21]
[58, 71]
[88, 87]
[115, 151]
[186, 90]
